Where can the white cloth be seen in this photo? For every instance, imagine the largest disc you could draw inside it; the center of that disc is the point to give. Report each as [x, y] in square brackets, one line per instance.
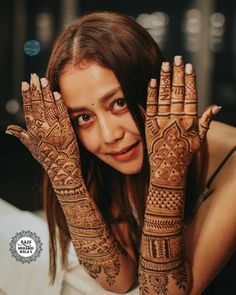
[24, 279]
[77, 281]
[33, 279]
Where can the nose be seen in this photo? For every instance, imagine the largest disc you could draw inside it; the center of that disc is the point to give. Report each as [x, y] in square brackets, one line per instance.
[111, 130]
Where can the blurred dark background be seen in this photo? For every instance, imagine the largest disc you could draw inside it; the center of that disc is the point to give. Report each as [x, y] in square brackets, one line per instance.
[203, 31]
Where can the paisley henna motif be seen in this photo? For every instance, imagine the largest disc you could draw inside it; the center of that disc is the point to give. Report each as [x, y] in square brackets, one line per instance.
[52, 141]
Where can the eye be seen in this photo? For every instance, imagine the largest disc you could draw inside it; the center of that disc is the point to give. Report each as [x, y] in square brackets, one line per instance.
[84, 120]
[119, 104]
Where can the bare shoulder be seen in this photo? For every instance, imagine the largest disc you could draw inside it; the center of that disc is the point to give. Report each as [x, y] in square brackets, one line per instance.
[221, 144]
[222, 129]
[221, 139]
[221, 135]
[210, 237]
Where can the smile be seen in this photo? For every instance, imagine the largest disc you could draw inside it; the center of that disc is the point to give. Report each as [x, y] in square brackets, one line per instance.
[126, 153]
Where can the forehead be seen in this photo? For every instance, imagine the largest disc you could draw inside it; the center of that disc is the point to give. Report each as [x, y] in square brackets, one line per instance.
[87, 82]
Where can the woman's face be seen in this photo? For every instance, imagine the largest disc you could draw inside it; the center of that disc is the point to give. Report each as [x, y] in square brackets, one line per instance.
[104, 125]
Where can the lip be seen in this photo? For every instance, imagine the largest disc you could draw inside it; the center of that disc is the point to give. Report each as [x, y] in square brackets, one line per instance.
[126, 153]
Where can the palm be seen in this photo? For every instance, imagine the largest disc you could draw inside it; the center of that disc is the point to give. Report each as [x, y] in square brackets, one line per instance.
[49, 136]
[172, 126]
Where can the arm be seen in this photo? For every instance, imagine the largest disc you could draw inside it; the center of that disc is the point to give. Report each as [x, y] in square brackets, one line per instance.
[52, 141]
[172, 138]
[210, 237]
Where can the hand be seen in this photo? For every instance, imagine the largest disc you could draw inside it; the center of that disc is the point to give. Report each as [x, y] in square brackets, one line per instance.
[173, 130]
[49, 136]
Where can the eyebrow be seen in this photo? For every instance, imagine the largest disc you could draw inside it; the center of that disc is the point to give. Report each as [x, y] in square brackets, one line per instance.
[102, 99]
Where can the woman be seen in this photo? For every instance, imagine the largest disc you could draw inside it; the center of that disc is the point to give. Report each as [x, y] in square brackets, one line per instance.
[117, 188]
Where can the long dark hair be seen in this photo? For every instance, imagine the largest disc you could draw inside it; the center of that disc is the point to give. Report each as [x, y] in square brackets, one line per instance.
[114, 41]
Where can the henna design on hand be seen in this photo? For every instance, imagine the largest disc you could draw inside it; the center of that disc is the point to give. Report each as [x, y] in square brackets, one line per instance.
[173, 135]
[178, 89]
[52, 142]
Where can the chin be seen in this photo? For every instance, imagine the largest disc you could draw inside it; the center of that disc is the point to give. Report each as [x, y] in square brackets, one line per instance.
[129, 169]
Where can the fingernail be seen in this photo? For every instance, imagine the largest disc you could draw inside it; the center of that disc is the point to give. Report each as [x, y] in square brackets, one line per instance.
[165, 66]
[57, 95]
[216, 109]
[178, 60]
[8, 132]
[44, 82]
[188, 69]
[24, 86]
[153, 83]
[33, 77]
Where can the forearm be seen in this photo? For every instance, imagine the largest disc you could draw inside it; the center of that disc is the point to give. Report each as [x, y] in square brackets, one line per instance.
[173, 134]
[163, 269]
[97, 250]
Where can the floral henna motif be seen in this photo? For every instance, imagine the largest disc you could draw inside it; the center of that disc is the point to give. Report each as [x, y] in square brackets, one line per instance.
[154, 284]
[52, 141]
[180, 277]
[110, 268]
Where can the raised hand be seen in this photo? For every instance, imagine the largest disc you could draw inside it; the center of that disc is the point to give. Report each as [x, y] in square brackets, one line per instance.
[51, 140]
[173, 130]
[49, 136]
[173, 134]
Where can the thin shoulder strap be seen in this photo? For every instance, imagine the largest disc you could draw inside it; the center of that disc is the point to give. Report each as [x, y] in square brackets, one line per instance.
[220, 166]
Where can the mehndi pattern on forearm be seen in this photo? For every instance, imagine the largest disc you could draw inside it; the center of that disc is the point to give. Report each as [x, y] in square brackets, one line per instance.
[51, 140]
[172, 138]
[97, 251]
[162, 241]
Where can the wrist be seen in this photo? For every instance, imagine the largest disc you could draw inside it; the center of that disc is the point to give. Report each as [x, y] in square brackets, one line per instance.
[64, 177]
[164, 200]
[171, 181]
[70, 190]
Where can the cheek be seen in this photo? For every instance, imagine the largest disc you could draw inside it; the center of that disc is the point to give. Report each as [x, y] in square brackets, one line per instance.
[89, 140]
[131, 125]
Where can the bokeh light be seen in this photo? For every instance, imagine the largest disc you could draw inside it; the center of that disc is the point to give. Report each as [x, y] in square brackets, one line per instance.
[156, 24]
[12, 106]
[32, 47]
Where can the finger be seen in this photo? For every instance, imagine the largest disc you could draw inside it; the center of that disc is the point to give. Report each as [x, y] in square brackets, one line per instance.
[66, 129]
[37, 100]
[205, 120]
[20, 133]
[25, 90]
[49, 102]
[47, 93]
[61, 108]
[164, 91]
[190, 104]
[177, 95]
[151, 109]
